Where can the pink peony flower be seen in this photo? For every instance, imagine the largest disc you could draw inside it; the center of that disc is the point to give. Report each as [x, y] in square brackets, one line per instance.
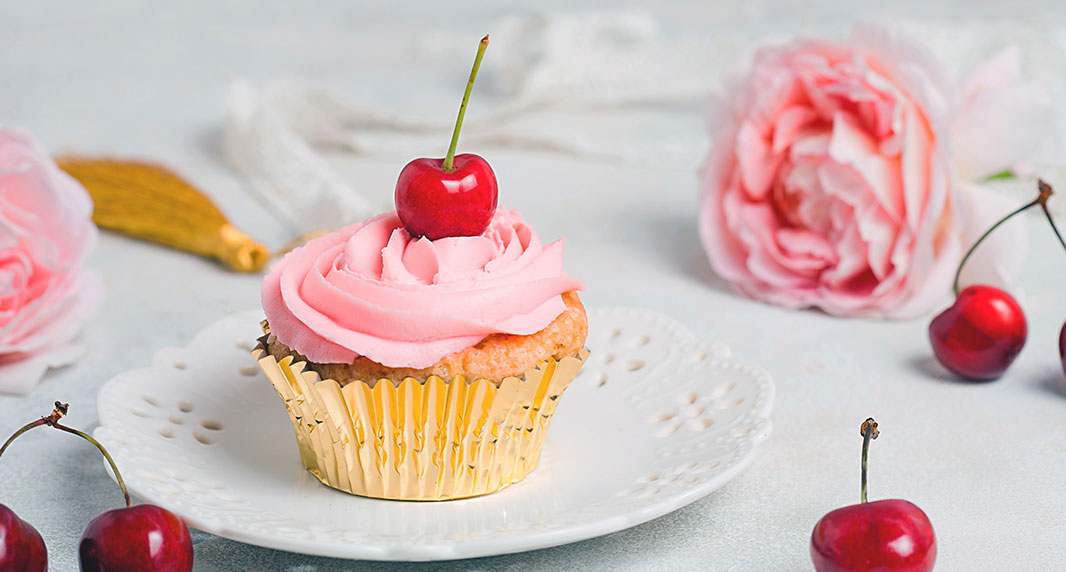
[46, 232]
[844, 175]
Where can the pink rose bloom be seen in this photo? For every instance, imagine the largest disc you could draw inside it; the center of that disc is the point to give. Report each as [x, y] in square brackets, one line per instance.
[46, 232]
[844, 175]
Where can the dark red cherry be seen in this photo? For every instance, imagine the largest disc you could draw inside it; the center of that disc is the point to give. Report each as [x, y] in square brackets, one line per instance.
[979, 336]
[140, 538]
[1062, 347]
[21, 546]
[882, 535]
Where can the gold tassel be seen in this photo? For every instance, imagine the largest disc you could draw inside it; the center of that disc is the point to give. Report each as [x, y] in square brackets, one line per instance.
[153, 203]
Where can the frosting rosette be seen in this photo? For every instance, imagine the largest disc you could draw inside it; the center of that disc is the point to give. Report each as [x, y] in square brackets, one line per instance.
[373, 290]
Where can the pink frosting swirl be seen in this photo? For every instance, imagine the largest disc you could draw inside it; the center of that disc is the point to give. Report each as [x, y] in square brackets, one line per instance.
[373, 290]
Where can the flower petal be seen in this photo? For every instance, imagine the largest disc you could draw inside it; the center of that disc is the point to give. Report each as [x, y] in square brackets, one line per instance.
[1003, 120]
[998, 261]
[19, 373]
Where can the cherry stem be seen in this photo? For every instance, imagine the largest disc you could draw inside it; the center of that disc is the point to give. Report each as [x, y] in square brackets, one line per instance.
[449, 159]
[1041, 199]
[869, 432]
[110, 461]
[1047, 213]
[52, 420]
[24, 429]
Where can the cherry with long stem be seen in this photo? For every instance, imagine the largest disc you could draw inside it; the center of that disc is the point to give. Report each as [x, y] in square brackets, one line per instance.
[453, 196]
[890, 534]
[985, 329]
[449, 159]
[52, 420]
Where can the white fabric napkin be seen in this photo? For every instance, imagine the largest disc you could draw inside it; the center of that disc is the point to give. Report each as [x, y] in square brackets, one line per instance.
[631, 90]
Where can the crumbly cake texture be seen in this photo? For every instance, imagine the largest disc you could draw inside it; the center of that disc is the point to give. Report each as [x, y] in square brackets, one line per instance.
[494, 358]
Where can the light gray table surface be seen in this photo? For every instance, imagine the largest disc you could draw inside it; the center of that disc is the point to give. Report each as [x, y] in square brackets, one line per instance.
[986, 461]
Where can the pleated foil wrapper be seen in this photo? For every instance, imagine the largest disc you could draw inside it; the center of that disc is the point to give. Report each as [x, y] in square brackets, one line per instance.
[408, 440]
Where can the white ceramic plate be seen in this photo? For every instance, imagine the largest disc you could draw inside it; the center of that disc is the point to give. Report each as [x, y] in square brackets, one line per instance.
[656, 420]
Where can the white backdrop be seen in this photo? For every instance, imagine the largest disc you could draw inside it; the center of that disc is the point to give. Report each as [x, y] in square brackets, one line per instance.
[133, 79]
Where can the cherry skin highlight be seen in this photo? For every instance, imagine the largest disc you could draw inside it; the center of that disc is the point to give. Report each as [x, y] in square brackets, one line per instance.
[21, 546]
[979, 336]
[886, 535]
[140, 538]
[436, 203]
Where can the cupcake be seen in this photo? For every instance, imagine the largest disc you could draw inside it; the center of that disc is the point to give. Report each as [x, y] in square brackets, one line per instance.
[421, 354]
[422, 369]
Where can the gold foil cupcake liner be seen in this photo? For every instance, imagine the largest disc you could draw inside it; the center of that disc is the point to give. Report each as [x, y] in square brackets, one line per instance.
[438, 440]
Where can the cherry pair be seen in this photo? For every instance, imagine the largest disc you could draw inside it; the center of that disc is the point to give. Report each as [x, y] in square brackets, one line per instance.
[141, 538]
[979, 336]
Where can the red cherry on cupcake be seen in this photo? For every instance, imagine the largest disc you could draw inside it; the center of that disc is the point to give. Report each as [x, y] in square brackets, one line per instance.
[882, 536]
[453, 196]
[979, 336]
[21, 546]
[436, 203]
[142, 538]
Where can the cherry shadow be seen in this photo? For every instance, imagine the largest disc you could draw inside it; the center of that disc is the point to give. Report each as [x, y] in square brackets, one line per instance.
[1053, 382]
[928, 366]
